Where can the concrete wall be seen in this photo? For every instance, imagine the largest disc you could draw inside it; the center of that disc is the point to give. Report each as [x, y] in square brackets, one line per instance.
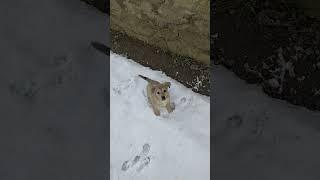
[179, 26]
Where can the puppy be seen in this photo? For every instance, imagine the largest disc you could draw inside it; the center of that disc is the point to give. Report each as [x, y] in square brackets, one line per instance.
[158, 95]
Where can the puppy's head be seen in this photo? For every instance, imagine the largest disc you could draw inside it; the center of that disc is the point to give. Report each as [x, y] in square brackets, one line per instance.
[161, 93]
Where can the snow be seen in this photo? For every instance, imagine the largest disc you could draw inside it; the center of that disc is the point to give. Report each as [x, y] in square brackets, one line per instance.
[178, 144]
[258, 137]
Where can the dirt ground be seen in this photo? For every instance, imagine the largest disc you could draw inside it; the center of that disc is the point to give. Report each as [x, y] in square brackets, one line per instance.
[102, 5]
[189, 72]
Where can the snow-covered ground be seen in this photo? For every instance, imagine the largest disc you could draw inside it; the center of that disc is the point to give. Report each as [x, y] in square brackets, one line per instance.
[173, 146]
[260, 138]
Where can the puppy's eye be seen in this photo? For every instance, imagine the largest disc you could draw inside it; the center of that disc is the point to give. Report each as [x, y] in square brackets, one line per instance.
[164, 90]
[158, 92]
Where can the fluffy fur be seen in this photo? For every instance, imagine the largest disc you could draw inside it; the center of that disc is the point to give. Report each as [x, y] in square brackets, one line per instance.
[158, 95]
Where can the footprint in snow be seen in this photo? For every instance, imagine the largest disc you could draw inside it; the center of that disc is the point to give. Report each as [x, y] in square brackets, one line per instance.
[145, 162]
[142, 159]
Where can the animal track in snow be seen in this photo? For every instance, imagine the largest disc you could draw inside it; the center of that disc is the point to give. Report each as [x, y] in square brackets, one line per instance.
[142, 160]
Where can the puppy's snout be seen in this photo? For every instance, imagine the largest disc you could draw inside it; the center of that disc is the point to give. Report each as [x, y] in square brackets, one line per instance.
[163, 98]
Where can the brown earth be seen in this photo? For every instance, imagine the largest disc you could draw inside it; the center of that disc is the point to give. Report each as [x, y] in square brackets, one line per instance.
[183, 69]
[102, 5]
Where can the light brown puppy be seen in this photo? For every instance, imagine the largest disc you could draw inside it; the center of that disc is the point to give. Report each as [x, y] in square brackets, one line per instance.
[158, 95]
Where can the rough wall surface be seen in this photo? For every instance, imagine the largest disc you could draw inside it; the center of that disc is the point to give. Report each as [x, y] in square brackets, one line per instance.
[179, 26]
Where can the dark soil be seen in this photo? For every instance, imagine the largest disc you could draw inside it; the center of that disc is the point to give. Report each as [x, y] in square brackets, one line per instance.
[272, 44]
[102, 5]
[183, 69]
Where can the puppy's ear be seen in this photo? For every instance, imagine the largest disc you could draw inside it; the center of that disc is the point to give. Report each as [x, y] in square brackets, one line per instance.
[166, 84]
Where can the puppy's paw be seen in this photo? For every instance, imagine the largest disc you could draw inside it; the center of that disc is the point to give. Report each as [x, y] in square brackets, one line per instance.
[156, 112]
[170, 107]
[173, 106]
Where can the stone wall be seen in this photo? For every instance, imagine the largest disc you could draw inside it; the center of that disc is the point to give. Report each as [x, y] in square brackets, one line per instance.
[178, 26]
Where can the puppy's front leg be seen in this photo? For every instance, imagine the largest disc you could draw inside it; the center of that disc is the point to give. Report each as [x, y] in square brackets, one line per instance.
[155, 110]
[170, 107]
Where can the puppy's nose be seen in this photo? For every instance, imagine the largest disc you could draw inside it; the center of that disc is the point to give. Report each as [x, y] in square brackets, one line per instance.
[163, 98]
